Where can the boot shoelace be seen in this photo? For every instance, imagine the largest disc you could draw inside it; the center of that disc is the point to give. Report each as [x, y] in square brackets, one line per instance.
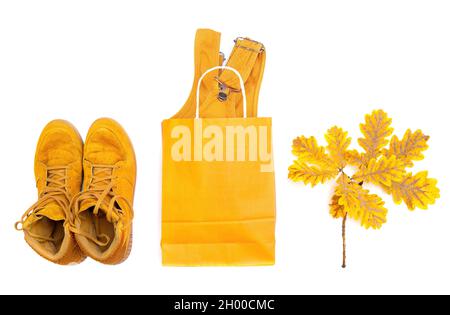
[56, 191]
[101, 188]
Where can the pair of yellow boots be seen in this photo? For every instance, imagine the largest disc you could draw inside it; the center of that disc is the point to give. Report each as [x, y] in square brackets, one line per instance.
[86, 193]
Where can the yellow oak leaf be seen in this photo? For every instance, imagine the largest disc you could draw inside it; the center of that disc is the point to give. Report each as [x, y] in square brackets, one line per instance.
[353, 157]
[311, 174]
[376, 130]
[308, 151]
[416, 191]
[372, 212]
[410, 148]
[382, 171]
[346, 190]
[337, 211]
[360, 204]
[338, 143]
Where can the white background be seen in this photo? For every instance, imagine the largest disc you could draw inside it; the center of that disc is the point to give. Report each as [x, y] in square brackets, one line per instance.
[329, 62]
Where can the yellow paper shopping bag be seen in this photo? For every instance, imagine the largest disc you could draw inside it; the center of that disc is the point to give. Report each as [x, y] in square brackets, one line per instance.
[218, 191]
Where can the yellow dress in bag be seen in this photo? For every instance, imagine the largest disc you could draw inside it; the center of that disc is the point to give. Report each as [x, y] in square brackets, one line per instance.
[218, 191]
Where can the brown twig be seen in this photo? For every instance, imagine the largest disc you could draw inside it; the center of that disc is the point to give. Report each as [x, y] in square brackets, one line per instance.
[344, 242]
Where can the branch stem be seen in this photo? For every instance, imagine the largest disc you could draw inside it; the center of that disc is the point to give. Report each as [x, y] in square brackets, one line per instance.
[344, 242]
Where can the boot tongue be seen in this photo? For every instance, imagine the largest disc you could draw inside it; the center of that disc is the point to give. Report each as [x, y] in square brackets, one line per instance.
[91, 203]
[88, 204]
[52, 211]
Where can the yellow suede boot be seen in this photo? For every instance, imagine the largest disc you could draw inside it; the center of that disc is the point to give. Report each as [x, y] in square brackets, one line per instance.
[103, 212]
[58, 171]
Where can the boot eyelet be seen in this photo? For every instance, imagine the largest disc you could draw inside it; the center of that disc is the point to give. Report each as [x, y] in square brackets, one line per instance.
[222, 97]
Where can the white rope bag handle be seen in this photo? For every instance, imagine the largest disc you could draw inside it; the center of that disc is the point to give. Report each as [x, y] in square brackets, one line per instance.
[241, 80]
